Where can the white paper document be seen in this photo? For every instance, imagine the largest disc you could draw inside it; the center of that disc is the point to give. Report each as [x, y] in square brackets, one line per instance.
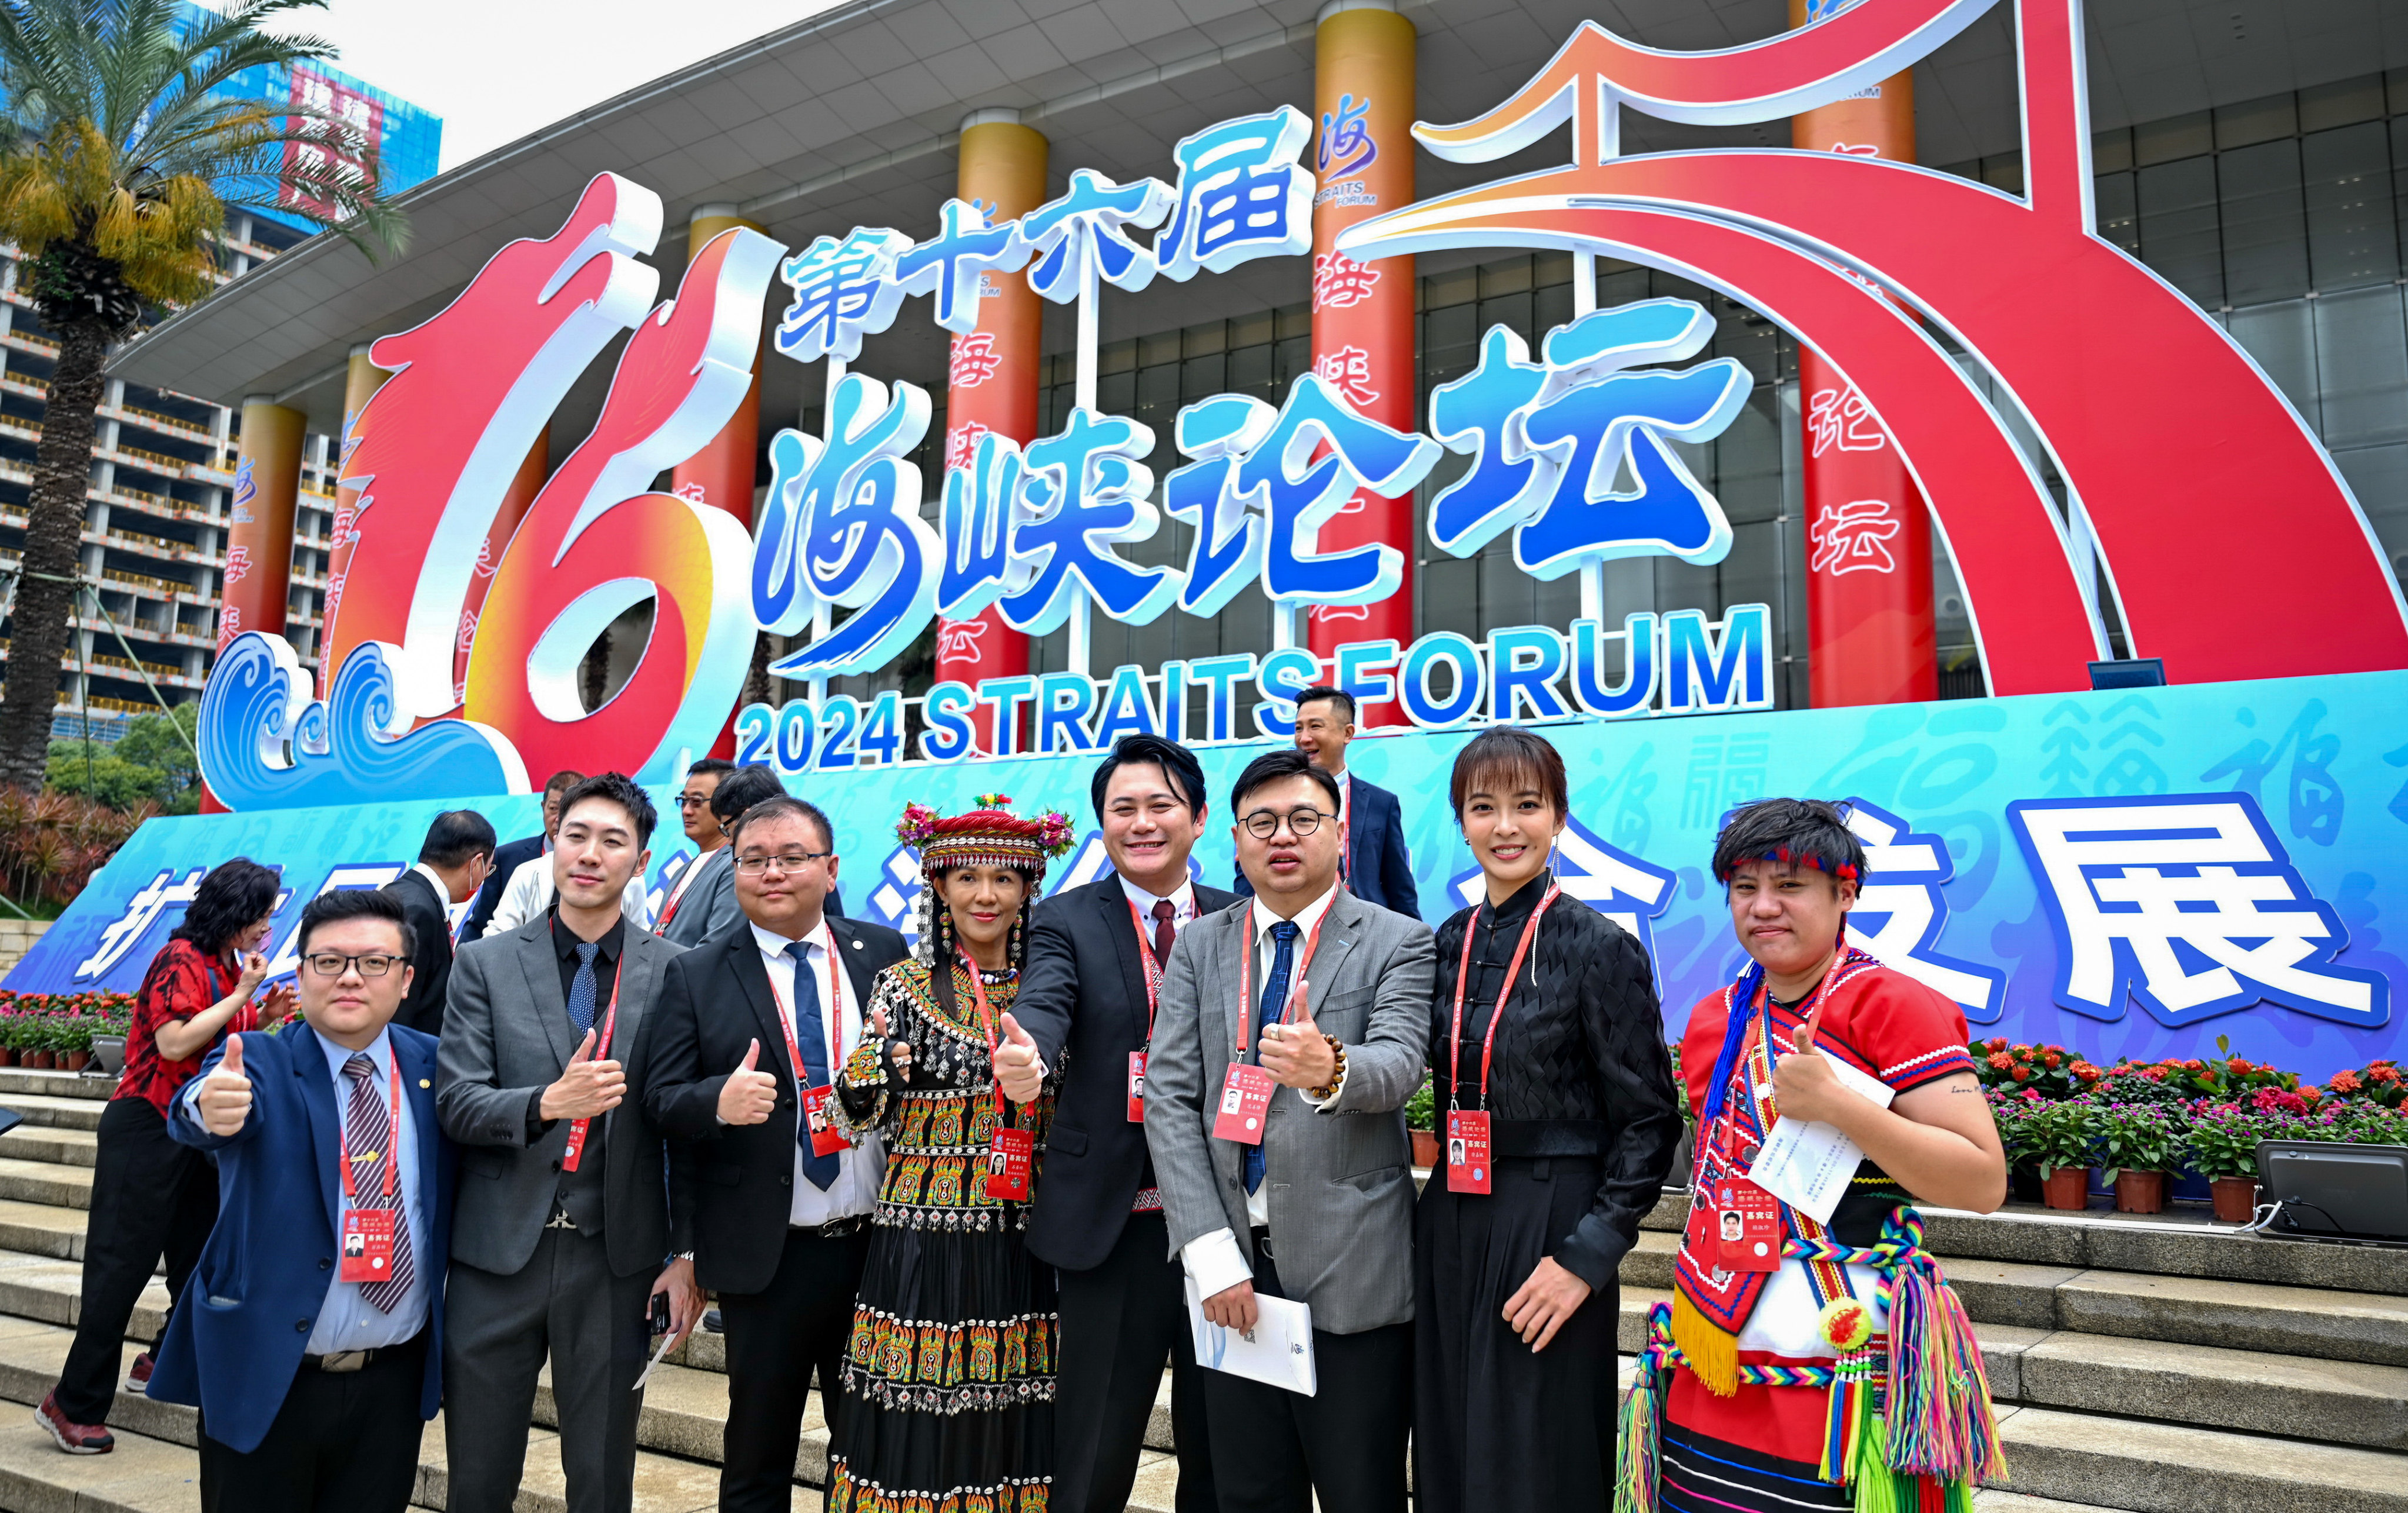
[1808, 1166]
[1278, 1351]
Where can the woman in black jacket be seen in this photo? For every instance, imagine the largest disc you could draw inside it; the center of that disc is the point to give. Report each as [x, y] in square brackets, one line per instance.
[1557, 1121]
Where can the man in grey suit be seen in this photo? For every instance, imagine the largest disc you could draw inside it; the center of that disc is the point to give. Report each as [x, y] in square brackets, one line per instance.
[554, 1253]
[692, 885]
[1334, 1006]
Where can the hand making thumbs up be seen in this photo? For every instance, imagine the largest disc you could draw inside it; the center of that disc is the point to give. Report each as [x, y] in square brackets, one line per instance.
[748, 1093]
[1297, 1054]
[1017, 1066]
[1803, 1084]
[225, 1098]
[587, 1088]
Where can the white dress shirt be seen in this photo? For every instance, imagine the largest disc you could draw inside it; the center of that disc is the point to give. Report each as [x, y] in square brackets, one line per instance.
[1216, 1261]
[855, 1192]
[1182, 904]
[529, 891]
[685, 877]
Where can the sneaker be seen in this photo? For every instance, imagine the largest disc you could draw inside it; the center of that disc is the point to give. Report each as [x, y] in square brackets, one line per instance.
[137, 1376]
[74, 1438]
[712, 1324]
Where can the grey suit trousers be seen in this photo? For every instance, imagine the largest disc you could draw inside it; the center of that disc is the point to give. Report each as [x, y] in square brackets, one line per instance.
[566, 1303]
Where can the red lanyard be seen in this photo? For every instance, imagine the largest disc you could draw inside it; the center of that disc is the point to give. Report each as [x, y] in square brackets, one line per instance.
[786, 1016]
[987, 1022]
[391, 1136]
[677, 895]
[602, 1047]
[1345, 827]
[1496, 1015]
[1152, 968]
[1296, 979]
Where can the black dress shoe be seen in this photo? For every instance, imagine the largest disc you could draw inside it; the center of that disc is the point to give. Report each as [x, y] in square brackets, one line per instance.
[712, 1324]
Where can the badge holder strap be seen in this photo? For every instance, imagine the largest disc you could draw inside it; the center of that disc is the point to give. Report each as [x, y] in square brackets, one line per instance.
[1496, 1015]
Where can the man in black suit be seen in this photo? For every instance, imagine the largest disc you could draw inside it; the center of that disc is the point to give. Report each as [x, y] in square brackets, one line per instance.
[1373, 863]
[782, 1220]
[1094, 964]
[452, 864]
[508, 859]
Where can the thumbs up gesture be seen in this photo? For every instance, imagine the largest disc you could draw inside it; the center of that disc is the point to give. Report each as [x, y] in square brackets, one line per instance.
[225, 1098]
[588, 1088]
[748, 1093]
[1297, 1054]
[1018, 1067]
[1803, 1084]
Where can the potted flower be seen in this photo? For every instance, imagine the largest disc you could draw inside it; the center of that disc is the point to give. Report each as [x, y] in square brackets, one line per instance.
[37, 1047]
[1421, 1119]
[2221, 1145]
[74, 1033]
[2137, 1146]
[2057, 1137]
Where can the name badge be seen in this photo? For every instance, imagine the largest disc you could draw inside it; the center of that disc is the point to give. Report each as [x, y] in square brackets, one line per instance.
[1245, 1103]
[1467, 1166]
[1748, 1226]
[1137, 1086]
[574, 1151]
[368, 1245]
[1008, 1160]
[827, 1139]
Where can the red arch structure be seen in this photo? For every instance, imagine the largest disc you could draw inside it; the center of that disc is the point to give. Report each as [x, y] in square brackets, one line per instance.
[2234, 545]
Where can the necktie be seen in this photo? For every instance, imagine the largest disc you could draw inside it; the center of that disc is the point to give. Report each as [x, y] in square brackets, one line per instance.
[583, 989]
[368, 1144]
[1164, 933]
[1274, 994]
[810, 1037]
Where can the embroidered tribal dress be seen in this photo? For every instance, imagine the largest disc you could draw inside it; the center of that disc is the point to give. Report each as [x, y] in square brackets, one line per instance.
[950, 1368]
[1760, 1410]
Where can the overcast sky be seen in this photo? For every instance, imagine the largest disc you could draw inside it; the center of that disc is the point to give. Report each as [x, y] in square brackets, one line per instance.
[495, 70]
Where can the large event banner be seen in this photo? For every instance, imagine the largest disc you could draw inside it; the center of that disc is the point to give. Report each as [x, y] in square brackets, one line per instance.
[2136, 872]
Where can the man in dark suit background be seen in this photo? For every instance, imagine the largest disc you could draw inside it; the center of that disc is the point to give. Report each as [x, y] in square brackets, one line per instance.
[780, 1230]
[1373, 864]
[452, 864]
[525, 849]
[1087, 988]
[314, 1388]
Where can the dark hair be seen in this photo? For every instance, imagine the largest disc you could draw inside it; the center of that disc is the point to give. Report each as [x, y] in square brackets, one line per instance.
[785, 806]
[1319, 691]
[456, 835]
[706, 766]
[561, 782]
[339, 904]
[1507, 759]
[235, 896]
[1803, 832]
[621, 790]
[743, 788]
[1277, 766]
[1178, 766]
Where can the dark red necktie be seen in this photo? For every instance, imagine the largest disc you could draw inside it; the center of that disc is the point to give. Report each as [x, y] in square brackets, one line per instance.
[1164, 910]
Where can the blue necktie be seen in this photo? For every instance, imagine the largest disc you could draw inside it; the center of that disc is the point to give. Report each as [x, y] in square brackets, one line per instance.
[583, 989]
[1274, 994]
[810, 1037]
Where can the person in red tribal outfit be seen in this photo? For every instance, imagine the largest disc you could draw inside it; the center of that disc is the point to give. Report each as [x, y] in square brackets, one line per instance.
[1816, 1364]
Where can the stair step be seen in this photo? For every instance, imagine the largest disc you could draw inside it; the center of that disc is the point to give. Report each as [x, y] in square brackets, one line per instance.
[51, 1292]
[46, 1181]
[23, 1080]
[2333, 1401]
[2151, 1467]
[53, 1113]
[59, 1146]
[41, 1229]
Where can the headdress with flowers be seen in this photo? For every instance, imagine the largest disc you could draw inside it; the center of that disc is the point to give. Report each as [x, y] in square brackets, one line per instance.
[988, 835]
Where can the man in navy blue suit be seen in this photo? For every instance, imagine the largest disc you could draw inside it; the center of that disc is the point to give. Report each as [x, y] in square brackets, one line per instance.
[1372, 864]
[310, 1334]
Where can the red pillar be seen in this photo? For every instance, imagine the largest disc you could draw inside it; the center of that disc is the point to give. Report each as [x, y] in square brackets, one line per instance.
[1869, 638]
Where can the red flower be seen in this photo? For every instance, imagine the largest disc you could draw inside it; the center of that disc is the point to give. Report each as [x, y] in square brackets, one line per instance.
[2237, 1066]
[2030, 1095]
[2194, 1064]
[2153, 1074]
[2023, 1074]
[2346, 1083]
[2051, 1060]
[2086, 1071]
[1998, 1044]
[1999, 1063]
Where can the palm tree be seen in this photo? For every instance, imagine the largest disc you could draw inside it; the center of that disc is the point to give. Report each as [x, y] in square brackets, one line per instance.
[124, 137]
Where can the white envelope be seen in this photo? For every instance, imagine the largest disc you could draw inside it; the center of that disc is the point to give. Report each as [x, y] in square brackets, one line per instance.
[1278, 1350]
[1809, 1166]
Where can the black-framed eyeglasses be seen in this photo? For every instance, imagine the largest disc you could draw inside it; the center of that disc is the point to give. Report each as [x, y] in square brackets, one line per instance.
[784, 861]
[692, 801]
[1265, 823]
[328, 964]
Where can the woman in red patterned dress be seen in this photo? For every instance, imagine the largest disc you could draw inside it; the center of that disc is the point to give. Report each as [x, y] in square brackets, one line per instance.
[1818, 1359]
[151, 1195]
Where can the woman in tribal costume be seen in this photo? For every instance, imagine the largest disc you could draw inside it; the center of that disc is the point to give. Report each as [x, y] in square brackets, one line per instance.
[1808, 1363]
[949, 1369]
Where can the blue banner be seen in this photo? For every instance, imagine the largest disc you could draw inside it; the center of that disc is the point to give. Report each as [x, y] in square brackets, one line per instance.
[2134, 872]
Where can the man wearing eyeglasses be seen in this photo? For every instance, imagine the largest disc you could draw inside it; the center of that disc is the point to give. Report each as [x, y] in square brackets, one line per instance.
[1373, 861]
[315, 1351]
[750, 1026]
[685, 925]
[1327, 998]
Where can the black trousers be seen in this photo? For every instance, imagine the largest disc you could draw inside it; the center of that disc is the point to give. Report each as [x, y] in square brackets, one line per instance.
[150, 1196]
[1276, 1451]
[1119, 1321]
[777, 1339]
[344, 1442]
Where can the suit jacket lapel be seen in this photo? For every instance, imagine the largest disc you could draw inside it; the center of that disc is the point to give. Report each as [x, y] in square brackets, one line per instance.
[1338, 936]
[417, 1078]
[744, 960]
[858, 978]
[1121, 931]
[542, 970]
[325, 1121]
